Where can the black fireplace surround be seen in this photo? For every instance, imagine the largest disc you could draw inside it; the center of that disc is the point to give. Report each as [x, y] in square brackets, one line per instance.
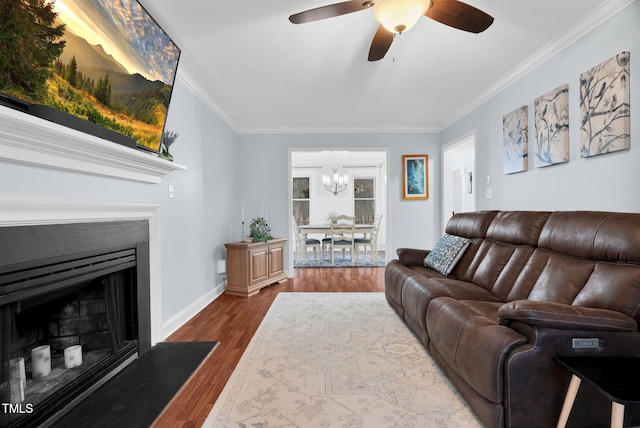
[65, 285]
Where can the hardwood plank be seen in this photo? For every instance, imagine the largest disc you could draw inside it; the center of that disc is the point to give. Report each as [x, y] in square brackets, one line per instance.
[232, 321]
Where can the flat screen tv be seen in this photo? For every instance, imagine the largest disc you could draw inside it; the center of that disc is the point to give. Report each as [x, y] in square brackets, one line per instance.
[97, 63]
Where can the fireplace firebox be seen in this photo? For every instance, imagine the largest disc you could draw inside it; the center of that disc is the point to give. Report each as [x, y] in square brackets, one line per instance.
[74, 310]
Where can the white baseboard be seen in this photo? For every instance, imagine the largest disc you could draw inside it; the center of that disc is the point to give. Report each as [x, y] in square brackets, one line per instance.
[181, 318]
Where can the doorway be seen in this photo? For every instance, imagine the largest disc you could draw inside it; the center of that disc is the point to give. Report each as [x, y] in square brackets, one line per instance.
[311, 202]
[458, 181]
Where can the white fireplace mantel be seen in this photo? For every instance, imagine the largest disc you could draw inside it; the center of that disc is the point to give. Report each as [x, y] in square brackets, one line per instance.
[32, 140]
[29, 210]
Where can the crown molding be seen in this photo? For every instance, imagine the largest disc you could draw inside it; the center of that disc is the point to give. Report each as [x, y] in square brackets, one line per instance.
[338, 130]
[194, 87]
[583, 27]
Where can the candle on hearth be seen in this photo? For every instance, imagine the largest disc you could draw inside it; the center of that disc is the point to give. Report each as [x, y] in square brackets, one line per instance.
[17, 380]
[73, 356]
[40, 361]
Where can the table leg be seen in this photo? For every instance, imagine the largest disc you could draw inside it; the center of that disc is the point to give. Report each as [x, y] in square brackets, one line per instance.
[574, 385]
[303, 244]
[617, 415]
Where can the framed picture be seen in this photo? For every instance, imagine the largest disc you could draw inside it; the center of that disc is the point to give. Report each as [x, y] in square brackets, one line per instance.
[415, 177]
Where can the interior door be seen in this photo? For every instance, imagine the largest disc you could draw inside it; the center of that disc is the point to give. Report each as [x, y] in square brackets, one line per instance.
[458, 190]
[458, 187]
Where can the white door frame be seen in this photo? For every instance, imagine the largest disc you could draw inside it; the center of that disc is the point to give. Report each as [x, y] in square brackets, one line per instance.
[384, 184]
[450, 151]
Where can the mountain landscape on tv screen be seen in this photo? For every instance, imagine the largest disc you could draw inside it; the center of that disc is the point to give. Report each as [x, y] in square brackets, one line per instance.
[86, 81]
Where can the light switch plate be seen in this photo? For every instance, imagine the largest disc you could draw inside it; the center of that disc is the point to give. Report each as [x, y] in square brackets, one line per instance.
[489, 192]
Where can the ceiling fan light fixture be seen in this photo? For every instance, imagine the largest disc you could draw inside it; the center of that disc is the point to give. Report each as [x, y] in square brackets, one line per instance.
[398, 16]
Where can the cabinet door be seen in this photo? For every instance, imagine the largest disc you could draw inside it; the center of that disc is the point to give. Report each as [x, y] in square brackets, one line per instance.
[258, 265]
[276, 265]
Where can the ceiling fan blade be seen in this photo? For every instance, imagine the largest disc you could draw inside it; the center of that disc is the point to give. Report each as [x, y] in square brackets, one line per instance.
[459, 15]
[330, 11]
[380, 44]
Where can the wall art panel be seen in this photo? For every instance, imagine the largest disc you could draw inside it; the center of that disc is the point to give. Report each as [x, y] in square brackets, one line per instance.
[552, 127]
[604, 107]
[515, 141]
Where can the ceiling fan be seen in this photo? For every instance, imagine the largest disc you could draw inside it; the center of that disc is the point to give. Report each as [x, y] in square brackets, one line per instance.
[398, 16]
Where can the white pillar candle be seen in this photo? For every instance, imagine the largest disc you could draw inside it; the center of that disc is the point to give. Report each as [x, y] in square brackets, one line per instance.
[40, 361]
[17, 380]
[73, 356]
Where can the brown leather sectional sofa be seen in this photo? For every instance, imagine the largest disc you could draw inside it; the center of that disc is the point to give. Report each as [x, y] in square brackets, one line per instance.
[528, 284]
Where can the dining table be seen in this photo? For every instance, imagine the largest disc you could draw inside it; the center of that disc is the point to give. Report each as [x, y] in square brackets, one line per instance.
[306, 229]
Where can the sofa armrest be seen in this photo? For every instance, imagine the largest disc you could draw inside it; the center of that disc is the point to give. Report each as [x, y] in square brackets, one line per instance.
[412, 256]
[565, 317]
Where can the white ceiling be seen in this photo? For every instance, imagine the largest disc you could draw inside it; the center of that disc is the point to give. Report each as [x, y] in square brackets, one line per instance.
[263, 74]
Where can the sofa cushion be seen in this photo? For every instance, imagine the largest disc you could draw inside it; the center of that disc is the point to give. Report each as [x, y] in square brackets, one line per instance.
[495, 266]
[518, 227]
[602, 236]
[551, 277]
[560, 279]
[470, 225]
[418, 291]
[467, 334]
[425, 271]
[613, 286]
[446, 253]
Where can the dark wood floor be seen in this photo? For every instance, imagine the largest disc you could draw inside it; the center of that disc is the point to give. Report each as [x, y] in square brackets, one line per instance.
[232, 321]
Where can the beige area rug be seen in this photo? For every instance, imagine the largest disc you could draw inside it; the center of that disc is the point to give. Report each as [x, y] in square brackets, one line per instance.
[337, 360]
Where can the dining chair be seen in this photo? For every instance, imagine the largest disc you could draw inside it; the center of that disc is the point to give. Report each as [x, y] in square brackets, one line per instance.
[370, 241]
[341, 236]
[302, 244]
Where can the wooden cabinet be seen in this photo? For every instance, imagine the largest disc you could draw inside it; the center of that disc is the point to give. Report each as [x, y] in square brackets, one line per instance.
[254, 265]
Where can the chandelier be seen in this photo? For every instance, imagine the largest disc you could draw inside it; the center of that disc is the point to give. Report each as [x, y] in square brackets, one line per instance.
[336, 184]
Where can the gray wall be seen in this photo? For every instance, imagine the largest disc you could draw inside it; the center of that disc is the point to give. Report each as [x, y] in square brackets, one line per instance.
[607, 182]
[195, 224]
[263, 174]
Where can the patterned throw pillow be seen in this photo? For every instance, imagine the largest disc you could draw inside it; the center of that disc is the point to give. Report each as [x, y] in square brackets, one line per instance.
[446, 253]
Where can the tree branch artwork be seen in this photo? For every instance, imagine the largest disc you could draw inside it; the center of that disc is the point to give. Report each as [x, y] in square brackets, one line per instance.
[604, 107]
[515, 140]
[552, 127]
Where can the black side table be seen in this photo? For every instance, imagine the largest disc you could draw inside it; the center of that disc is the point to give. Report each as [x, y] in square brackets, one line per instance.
[617, 378]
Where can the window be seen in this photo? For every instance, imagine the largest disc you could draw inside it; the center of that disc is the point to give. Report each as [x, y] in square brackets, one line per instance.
[364, 196]
[301, 199]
